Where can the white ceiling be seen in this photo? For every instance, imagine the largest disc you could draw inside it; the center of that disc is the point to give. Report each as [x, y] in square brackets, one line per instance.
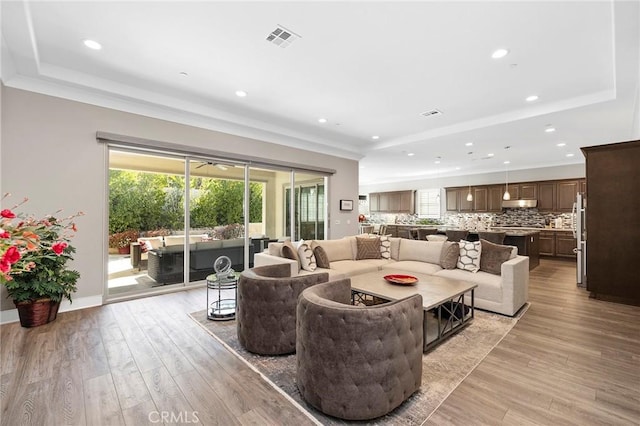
[370, 68]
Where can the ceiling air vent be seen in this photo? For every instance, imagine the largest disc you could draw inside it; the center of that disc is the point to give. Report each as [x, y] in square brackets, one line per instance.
[282, 37]
[431, 113]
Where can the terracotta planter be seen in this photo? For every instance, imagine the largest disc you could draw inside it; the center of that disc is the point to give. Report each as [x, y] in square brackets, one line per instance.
[124, 250]
[37, 312]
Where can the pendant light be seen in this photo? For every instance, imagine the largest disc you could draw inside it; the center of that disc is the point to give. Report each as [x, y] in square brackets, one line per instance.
[469, 195]
[506, 196]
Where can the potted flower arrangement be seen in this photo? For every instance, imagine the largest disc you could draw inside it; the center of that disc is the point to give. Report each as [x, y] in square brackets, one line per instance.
[122, 240]
[33, 263]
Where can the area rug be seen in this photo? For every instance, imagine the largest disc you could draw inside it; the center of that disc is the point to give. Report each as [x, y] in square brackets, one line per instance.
[444, 367]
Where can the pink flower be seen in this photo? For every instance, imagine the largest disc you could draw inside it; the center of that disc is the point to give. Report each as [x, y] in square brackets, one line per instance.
[7, 213]
[5, 234]
[11, 256]
[4, 266]
[59, 247]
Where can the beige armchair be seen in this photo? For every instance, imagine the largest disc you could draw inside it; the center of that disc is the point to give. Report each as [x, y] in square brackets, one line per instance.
[357, 362]
[266, 309]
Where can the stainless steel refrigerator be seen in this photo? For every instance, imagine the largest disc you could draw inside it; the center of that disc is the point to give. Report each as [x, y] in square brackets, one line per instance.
[580, 234]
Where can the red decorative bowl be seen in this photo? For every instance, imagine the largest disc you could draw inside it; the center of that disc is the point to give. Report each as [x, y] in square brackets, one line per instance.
[401, 279]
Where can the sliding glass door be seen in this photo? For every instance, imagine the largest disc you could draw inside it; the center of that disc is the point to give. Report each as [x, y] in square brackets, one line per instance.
[171, 216]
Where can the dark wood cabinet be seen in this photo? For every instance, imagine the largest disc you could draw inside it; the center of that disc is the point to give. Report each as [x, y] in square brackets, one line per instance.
[547, 243]
[566, 195]
[463, 204]
[480, 199]
[565, 243]
[494, 201]
[613, 202]
[452, 199]
[525, 191]
[546, 196]
[392, 202]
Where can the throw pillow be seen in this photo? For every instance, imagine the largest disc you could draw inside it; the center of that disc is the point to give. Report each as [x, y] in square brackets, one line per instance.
[469, 259]
[290, 252]
[307, 259]
[368, 248]
[322, 260]
[385, 247]
[493, 256]
[449, 255]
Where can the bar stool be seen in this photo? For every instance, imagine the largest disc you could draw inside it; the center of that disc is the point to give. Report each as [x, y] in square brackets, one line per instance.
[456, 234]
[423, 232]
[496, 237]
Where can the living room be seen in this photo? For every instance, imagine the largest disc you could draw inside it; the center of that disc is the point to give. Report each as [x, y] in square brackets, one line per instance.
[59, 124]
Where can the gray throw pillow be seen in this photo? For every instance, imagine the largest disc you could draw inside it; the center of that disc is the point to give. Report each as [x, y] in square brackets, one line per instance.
[290, 252]
[322, 260]
[449, 255]
[493, 256]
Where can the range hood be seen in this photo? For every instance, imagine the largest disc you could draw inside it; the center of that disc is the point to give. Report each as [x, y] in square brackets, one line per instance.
[519, 203]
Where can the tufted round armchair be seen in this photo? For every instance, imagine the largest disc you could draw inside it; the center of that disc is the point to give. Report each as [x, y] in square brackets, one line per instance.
[266, 309]
[357, 362]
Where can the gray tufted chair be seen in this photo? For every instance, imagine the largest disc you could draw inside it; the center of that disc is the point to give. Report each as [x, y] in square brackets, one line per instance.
[266, 311]
[357, 362]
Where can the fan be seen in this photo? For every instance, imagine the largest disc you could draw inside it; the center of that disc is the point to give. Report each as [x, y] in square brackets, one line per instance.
[210, 163]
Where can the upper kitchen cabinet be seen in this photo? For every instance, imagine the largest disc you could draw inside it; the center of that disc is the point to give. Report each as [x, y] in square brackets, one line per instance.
[525, 191]
[494, 198]
[546, 196]
[392, 202]
[480, 202]
[452, 200]
[566, 195]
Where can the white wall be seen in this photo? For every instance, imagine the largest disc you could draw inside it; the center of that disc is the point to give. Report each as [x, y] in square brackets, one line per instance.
[50, 154]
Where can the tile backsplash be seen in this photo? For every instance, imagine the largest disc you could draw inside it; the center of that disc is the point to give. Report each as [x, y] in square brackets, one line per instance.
[521, 217]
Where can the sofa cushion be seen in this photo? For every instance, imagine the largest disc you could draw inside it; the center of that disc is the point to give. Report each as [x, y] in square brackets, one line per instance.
[385, 247]
[290, 252]
[469, 259]
[336, 249]
[275, 249]
[368, 248]
[174, 240]
[493, 256]
[414, 266]
[449, 255]
[395, 247]
[489, 285]
[353, 267]
[322, 260]
[214, 244]
[307, 258]
[420, 250]
[436, 237]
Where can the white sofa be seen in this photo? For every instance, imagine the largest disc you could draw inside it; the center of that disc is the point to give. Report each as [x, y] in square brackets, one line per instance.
[505, 293]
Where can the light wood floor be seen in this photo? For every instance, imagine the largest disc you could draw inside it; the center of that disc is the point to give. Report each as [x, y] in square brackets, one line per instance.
[569, 360]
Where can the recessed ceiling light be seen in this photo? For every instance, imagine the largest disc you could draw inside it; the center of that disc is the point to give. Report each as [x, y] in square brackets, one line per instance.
[241, 93]
[92, 44]
[531, 98]
[375, 137]
[468, 144]
[570, 155]
[500, 53]
[489, 155]
[550, 129]
[437, 161]
[507, 162]
[322, 120]
[561, 144]
[410, 154]
[457, 168]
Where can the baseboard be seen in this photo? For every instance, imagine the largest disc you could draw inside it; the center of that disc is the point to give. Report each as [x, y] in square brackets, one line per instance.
[11, 315]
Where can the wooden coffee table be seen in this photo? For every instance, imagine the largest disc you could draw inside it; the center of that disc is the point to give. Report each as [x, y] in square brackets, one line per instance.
[443, 300]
